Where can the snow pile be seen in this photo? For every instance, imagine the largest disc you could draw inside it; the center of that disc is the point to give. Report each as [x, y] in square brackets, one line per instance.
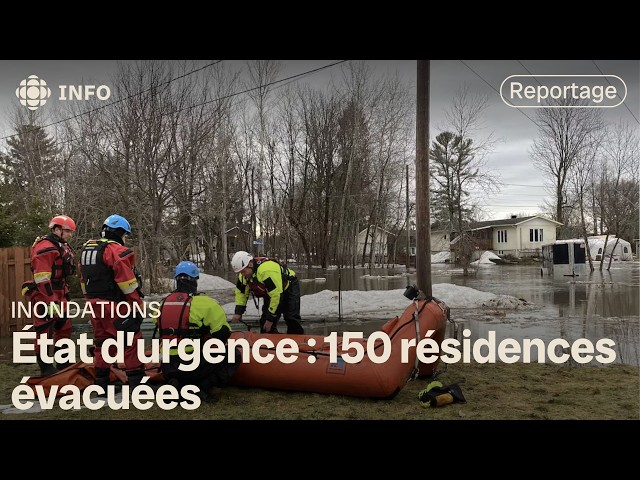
[441, 257]
[209, 282]
[507, 302]
[485, 258]
[387, 303]
[206, 283]
[460, 297]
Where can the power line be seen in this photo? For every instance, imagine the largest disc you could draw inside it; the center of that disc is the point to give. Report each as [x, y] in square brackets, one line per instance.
[623, 102]
[118, 101]
[529, 72]
[601, 72]
[493, 88]
[262, 86]
[288, 80]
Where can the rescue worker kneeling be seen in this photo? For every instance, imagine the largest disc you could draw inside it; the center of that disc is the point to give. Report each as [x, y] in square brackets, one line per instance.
[185, 314]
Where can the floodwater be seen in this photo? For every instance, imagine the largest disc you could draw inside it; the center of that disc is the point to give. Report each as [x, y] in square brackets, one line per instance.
[598, 306]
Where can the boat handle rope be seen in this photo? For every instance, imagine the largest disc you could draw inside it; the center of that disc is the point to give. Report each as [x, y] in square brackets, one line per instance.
[416, 320]
[447, 311]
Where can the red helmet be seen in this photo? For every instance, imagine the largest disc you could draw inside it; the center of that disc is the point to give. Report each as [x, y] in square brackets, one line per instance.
[65, 222]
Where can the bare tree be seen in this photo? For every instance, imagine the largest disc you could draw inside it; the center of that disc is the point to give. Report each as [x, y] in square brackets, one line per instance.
[244, 152]
[262, 73]
[621, 152]
[565, 133]
[288, 129]
[580, 180]
[353, 150]
[148, 149]
[390, 130]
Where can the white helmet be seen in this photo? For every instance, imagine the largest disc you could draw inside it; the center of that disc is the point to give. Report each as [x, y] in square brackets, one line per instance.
[240, 261]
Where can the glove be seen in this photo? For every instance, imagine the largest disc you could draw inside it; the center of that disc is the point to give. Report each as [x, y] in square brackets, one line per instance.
[139, 280]
[437, 395]
[54, 310]
[268, 322]
[130, 324]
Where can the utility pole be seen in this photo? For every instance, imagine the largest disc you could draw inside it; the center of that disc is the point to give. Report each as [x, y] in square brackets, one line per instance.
[408, 260]
[423, 221]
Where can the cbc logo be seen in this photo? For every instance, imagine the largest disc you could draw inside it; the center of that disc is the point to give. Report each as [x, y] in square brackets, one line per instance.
[33, 92]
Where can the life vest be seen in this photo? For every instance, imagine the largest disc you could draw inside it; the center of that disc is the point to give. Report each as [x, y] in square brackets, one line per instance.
[258, 289]
[98, 277]
[173, 321]
[62, 267]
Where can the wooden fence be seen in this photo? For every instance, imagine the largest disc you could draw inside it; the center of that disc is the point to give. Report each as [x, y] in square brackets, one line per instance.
[15, 268]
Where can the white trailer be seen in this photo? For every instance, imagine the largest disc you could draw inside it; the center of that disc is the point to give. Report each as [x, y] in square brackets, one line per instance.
[564, 258]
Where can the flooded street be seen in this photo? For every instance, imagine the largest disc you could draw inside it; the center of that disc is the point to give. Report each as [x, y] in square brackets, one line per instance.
[600, 305]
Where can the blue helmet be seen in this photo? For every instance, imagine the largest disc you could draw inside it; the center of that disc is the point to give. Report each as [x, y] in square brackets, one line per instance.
[116, 221]
[187, 268]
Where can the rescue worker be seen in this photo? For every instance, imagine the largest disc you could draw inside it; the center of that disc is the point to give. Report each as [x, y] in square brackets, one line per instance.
[278, 285]
[109, 281]
[186, 314]
[51, 263]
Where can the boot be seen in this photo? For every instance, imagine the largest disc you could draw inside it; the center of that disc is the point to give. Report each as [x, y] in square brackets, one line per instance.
[102, 380]
[134, 378]
[63, 365]
[210, 396]
[46, 369]
[294, 328]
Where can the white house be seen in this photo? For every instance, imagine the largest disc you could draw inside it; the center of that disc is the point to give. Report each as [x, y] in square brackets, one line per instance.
[381, 240]
[517, 236]
[440, 241]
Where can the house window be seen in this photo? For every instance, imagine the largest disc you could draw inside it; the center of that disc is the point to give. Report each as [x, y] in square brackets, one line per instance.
[413, 250]
[502, 236]
[535, 235]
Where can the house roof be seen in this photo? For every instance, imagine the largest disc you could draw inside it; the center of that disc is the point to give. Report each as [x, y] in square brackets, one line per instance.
[378, 228]
[239, 227]
[506, 222]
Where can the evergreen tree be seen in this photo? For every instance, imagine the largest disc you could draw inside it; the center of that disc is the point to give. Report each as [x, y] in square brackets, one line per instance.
[27, 176]
[31, 161]
[452, 174]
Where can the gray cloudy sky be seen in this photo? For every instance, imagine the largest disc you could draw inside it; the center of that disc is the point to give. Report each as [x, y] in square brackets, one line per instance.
[523, 190]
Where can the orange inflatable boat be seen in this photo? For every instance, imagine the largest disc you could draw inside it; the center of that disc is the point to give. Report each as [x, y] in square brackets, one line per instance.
[376, 367]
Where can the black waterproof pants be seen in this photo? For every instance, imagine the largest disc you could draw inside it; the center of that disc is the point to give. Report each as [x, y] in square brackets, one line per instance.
[289, 308]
